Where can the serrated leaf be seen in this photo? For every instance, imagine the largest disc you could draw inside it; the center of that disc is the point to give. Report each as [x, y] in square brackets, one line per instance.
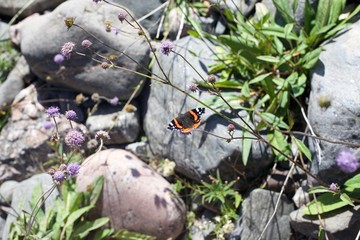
[303, 148]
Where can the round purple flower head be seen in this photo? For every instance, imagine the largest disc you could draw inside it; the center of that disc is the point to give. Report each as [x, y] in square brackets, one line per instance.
[86, 43]
[166, 47]
[122, 15]
[102, 135]
[53, 111]
[67, 49]
[59, 176]
[47, 125]
[193, 87]
[346, 161]
[114, 101]
[70, 115]
[73, 169]
[333, 187]
[74, 138]
[58, 58]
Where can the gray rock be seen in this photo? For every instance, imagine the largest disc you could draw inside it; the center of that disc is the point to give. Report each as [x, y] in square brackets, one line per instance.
[24, 137]
[23, 193]
[4, 31]
[140, 149]
[341, 224]
[142, 8]
[6, 191]
[14, 82]
[2, 224]
[245, 6]
[124, 126]
[134, 196]
[335, 81]
[81, 73]
[256, 212]
[198, 153]
[11, 7]
[301, 197]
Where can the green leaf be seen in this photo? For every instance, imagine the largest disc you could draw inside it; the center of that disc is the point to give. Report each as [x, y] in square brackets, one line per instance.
[273, 30]
[326, 202]
[288, 28]
[127, 235]
[245, 91]
[273, 120]
[318, 189]
[103, 234]
[346, 199]
[353, 182]
[86, 227]
[285, 10]
[278, 140]
[303, 148]
[311, 58]
[259, 78]
[268, 58]
[246, 143]
[76, 215]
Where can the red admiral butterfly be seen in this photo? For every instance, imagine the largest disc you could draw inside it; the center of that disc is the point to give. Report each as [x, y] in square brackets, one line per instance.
[187, 121]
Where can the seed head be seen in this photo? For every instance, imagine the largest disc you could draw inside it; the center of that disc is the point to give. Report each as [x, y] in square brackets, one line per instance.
[122, 15]
[86, 43]
[67, 49]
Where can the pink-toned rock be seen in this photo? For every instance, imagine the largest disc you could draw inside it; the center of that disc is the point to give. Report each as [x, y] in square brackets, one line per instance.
[134, 196]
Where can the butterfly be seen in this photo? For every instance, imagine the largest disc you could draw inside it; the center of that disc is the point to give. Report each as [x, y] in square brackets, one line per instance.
[187, 121]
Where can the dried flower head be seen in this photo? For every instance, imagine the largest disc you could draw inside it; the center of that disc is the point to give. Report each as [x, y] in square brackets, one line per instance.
[193, 87]
[59, 58]
[67, 49]
[166, 47]
[59, 176]
[86, 43]
[230, 127]
[211, 79]
[62, 167]
[73, 169]
[101, 134]
[122, 15]
[80, 98]
[53, 111]
[95, 97]
[114, 101]
[105, 65]
[74, 138]
[69, 22]
[70, 115]
[51, 171]
[346, 161]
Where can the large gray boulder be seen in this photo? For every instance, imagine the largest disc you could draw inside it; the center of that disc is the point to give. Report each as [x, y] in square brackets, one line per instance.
[334, 102]
[200, 152]
[11, 7]
[42, 37]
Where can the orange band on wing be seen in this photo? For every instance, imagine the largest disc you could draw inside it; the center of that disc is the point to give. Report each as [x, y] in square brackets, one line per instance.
[196, 117]
[177, 124]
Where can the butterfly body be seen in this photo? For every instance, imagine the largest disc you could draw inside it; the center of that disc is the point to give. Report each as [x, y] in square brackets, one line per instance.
[187, 121]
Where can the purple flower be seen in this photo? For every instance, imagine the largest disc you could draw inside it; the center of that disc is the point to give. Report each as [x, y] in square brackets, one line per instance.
[122, 15]
[70, 115]
[47, 125]
[166, 47]
[53, 111]
[74, 138]
[59, 176]
[346, 161]
[86, 43]
[114, 101]
[67, 49]
[59, 58]
[73, 169]
[333, 187]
